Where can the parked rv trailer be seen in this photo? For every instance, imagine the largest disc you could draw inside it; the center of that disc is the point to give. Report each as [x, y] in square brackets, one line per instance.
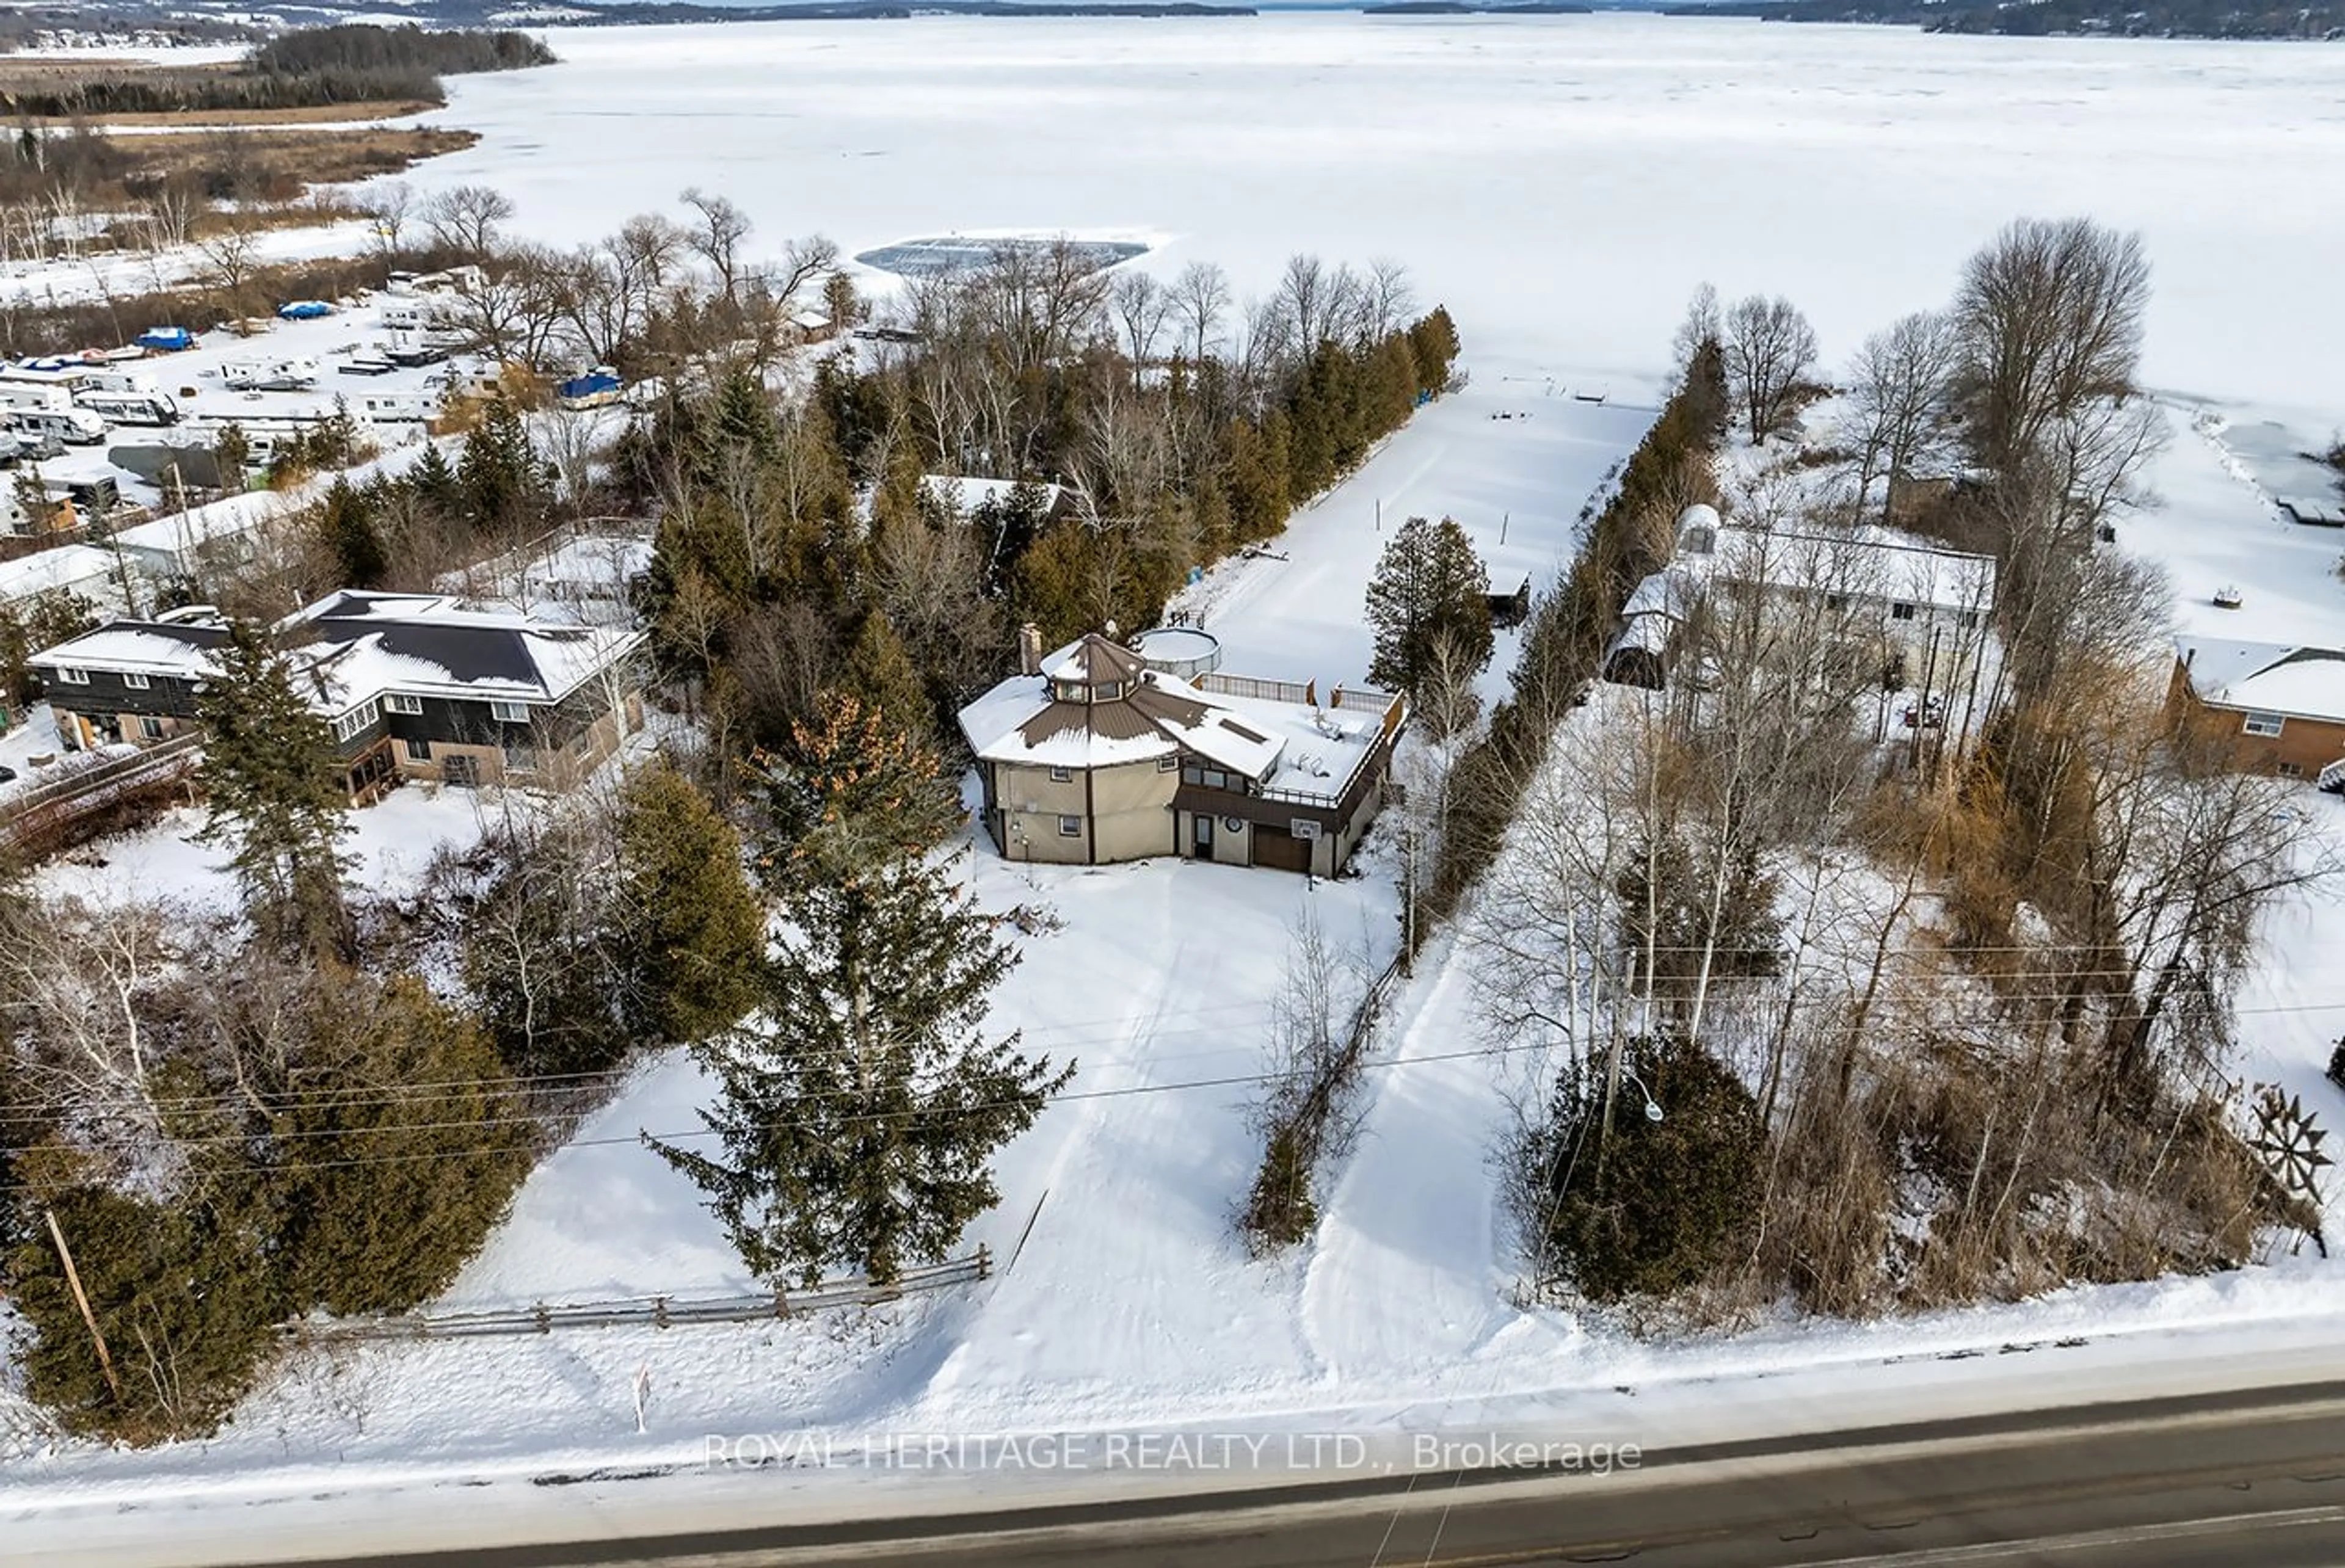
[15, 394]
[270, 376]
[74, 427]
[130, 407]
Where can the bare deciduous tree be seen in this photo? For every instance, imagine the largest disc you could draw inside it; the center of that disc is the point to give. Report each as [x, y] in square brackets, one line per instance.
[1898, 397]
[1769, 347]
[2050, 314]
[1201, 295]
[466, 219]
[716, 237]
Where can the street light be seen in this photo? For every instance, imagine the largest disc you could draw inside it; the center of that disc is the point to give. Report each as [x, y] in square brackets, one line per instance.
[1653, 1106]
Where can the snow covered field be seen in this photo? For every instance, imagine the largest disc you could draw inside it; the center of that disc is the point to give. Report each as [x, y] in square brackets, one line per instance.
[1562, 183]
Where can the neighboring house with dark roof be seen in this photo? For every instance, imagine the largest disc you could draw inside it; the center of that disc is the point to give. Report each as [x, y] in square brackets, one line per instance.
[414, 685]
[2283, 708]
[1096, 753]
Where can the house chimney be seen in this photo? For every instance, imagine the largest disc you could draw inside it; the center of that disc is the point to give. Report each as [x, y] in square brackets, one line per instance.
[1030, 649]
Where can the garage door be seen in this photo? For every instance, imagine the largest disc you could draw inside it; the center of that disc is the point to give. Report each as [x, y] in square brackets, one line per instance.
[1274, 847]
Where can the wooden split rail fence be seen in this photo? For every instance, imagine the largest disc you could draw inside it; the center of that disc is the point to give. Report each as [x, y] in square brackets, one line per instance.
[658, 1311]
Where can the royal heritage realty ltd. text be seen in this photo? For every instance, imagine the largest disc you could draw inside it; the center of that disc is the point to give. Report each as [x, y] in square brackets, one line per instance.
[1168, 1451]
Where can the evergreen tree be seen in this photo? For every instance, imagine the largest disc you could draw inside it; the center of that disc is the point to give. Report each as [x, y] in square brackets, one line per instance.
[1434, 339]
[882, 674]
[851, 791]
[345, 522]
[504, 488]
[272, 778]
[435, 483]
[382, 1188]
[1429, 600]
[1257, 480]
[858, 1130]
[1638, 1205]
[696, 929]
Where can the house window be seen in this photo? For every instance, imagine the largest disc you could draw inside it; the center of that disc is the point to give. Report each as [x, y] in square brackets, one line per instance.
[1070, 827]
[1195, 775]
[135, 681]
[397, 703]
[1201, 833]
[1107, 691]
[1835, 602]
[1967, 619]
[510, 712]
[2291, 770]
[1062, 775]
[151, 729]
[419, 751]
[2264, 724]
[357, 719]
[1901, 612]
[1216, 779]
[1167, 764]
[72, 677]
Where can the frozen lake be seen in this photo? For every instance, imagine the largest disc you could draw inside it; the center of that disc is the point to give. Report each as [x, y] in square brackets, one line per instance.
[1562, 183]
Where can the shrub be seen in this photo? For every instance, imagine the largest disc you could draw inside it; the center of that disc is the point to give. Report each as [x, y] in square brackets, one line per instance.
[1649, 1207]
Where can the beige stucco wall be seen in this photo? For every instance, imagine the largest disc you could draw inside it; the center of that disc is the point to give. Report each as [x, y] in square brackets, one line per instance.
[1125, 811]
[1131, 808]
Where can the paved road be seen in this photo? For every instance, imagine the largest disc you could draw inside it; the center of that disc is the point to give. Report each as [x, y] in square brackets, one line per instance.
[2256, 1479]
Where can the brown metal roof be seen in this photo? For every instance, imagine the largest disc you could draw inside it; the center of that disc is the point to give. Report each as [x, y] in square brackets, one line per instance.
[1098, 661]
[1109, 720]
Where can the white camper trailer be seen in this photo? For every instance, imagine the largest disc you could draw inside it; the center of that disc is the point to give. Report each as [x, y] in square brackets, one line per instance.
[74, 427]
[130, 407]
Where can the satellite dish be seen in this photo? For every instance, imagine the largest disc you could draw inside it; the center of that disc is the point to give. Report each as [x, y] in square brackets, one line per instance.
[1652, 1111]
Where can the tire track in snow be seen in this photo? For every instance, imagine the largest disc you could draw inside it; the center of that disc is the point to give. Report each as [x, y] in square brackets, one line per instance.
[1402, 1272]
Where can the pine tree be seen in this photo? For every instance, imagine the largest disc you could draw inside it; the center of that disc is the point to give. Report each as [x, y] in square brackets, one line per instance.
[435, 484]
[858, 1128]
[504, 488]
[882, 674]
[1430, 603]
[272, 777]
[849, 791]
[345, 522]
[696, 934]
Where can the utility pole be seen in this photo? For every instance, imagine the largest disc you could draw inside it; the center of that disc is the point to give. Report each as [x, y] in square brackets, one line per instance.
[73, 1278]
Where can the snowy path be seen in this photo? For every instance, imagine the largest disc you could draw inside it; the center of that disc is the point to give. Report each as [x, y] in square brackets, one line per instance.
[1406, 1272]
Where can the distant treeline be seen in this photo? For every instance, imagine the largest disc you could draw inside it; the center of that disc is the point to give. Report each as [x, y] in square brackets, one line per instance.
[2317, 19]
[350, 63]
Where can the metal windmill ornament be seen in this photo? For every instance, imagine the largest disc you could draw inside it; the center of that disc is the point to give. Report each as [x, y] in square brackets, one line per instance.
[2287, 1140]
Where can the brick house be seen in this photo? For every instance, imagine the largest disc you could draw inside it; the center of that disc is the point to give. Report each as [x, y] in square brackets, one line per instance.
[414, 685]
[2282, 707]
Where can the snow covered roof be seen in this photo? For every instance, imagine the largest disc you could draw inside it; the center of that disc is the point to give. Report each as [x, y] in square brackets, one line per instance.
[2266, 677]
[966, 495]
[357, 647]
[1036, 721]
[68, 566]
[2323, 512]
[1874, 563]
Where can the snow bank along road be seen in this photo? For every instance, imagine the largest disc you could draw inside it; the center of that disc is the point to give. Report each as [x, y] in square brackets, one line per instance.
[2233, 1478]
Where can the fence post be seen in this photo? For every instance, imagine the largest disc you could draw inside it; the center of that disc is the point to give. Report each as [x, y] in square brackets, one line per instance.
[659, 1311]
[984, 1262]
[781, 1302]
[544, 1318]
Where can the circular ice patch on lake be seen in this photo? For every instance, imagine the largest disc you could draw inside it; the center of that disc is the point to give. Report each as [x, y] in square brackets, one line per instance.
[962, 253]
